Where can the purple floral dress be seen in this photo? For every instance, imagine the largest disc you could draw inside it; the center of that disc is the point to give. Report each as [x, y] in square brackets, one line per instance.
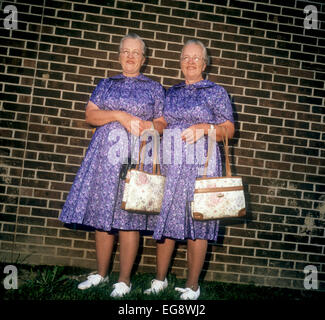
[96, 194]
[186, 105]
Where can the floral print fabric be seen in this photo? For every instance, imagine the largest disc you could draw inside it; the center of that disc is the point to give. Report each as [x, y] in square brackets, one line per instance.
[216, 201]
[96, 194]
[143, 191]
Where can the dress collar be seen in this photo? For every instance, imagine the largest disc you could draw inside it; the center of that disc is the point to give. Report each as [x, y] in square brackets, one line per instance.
[198, 85]
[121, 76]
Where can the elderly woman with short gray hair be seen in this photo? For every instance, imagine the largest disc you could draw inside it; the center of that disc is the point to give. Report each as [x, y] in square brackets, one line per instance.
[193, 107]
[120, 106]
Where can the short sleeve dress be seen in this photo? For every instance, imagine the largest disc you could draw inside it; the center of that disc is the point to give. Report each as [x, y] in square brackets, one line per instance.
[186, 105]
[95, 197]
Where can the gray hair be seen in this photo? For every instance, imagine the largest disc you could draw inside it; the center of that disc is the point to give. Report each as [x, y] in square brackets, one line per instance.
[199, 43]
[135, 37]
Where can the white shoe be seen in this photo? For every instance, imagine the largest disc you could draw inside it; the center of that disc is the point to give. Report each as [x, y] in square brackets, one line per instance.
[120, 289]
[157, 286]
[92, 280]
[188, 293]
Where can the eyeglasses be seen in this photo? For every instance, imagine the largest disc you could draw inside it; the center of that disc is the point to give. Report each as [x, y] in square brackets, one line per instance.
[187, 59]
[127, 53]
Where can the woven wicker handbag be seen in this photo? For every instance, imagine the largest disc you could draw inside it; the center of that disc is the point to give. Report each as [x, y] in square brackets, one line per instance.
[218, 197]
[143, 191]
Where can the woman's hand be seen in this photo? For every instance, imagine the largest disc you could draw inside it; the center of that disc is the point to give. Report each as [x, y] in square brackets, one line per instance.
[193, 133]
[146, 125]
[160, 124]
[129, 122]
[133, 124]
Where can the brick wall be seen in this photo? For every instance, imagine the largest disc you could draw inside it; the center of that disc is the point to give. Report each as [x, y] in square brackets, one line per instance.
[273, 69]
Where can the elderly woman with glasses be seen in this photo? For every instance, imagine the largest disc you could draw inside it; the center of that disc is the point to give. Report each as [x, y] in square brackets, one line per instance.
[193, 108]
[121, 107]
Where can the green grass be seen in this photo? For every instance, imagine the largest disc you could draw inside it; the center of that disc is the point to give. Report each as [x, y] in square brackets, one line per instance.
[60, 283]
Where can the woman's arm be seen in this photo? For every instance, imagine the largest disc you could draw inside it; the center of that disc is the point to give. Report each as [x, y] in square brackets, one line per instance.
[196, 131]
[96, 117]
[221, 132]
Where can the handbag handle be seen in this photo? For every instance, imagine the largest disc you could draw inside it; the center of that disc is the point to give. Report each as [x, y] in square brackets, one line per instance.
[143, 146]
[226, 147]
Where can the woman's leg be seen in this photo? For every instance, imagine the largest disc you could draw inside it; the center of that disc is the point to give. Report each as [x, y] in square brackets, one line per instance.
[104, 248]
[196, 252]
[164, 253]
[129, 244]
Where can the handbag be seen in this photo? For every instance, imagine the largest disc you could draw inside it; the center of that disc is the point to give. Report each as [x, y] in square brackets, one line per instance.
[218, 197]
[143, 192]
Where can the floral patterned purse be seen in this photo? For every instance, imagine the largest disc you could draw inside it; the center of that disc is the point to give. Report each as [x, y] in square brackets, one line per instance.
[218, 197]
[143, 191]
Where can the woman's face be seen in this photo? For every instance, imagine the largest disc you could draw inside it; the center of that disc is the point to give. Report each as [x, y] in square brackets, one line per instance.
[131, 57]
[192, 63]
